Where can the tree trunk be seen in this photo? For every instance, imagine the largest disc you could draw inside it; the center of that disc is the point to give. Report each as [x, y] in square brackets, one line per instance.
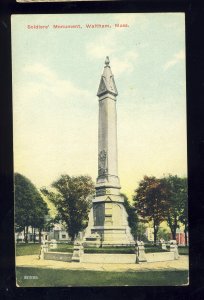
[40, 235]
[26, 235]
[173, 227]
[186, 239]
[173, 232]
[32, 233]
[34, 236]
[155, 234]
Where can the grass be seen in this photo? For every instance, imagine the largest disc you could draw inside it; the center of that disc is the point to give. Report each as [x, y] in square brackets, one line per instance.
[183, 250]
[154, 249]
[64, 278]
[118, 250]
[63, 248]
[27, 249]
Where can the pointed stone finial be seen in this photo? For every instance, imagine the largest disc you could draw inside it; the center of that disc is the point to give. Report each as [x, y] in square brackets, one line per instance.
[107, 61]
[107, 83]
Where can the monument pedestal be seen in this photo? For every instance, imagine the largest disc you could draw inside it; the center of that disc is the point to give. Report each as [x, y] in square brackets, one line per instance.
[110, 220]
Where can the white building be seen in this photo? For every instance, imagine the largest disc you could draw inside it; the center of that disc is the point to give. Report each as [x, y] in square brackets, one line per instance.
[57, 233]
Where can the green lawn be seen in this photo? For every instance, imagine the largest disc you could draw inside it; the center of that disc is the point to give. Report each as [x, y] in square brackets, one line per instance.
[27, 249]
[64, 278]
[154, 249]
[63, 248]
[118, 250]
[183, 250]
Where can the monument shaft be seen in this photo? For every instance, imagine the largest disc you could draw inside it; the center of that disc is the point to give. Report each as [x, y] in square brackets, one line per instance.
[107, 132]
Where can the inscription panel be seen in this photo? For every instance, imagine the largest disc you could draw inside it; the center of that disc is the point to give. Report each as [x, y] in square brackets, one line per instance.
[99, 214]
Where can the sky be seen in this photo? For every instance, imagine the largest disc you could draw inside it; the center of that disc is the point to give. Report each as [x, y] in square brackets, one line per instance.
[56, 74]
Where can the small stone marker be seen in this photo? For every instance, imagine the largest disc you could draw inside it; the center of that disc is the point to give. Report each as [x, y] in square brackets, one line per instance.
[174, 248]
[41, 255]
[43, 249]
[53, 244]
[78, 251]
[46, 246]
[140, 252]
[163, 245]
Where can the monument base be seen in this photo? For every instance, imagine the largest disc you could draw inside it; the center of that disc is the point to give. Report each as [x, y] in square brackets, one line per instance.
[109, 221]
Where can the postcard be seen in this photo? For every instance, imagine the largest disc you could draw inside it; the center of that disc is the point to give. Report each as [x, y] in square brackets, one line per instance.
[100, 149]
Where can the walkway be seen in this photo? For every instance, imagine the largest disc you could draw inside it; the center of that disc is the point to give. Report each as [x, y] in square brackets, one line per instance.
[33, 262]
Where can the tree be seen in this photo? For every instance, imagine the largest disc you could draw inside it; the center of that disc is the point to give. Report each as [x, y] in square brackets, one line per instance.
[151, 201]
[177, 195]
[39, 215]
[164, 234]
[72, 197]
[132, 217]
[30, 209]
[184, 207]
[141, 230]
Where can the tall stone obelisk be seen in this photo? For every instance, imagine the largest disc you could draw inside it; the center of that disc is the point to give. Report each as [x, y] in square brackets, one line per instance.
[108, 216]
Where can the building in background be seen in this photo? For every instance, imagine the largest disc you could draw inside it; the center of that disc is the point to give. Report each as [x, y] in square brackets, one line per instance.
[57, 233]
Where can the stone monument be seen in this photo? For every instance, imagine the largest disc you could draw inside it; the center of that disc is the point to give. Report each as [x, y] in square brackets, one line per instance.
[108, 216]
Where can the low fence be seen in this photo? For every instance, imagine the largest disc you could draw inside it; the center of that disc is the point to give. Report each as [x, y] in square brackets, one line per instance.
[110, 258]
[159, 256]
[139, 256]
[59, 256]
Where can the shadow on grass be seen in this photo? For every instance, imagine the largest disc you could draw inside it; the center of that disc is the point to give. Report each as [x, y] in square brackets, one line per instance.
[34, 277]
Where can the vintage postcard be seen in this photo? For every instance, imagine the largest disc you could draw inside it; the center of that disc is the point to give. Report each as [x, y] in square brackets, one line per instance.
[100, 149]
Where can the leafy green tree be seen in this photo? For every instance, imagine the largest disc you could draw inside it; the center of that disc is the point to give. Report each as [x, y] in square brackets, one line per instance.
[163, 233]
[132, 217]
[141, 230]
[30, 209]
[151, 201]
[177, 195]
[184, 207]
[39, 215]
[72, 197]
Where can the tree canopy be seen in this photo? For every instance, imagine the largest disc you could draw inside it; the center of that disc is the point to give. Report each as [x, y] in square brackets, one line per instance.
[151, 201]
[177, 209]
[132, 217]
[30, 208]
[163, 199]
[72, 197]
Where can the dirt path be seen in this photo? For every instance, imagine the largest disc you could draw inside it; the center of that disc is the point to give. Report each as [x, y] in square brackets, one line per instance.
[33, 262]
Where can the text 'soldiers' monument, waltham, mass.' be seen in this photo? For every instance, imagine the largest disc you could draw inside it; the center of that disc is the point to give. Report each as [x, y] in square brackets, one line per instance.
[108, 216]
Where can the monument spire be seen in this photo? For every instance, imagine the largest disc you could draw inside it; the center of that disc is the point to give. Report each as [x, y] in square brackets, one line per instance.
[107, 61]
[107, 83]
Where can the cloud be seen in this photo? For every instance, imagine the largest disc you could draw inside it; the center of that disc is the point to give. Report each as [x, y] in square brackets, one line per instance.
[47, 80]
[125, 63]
[108, 43]
[178, 57]
[102, 46]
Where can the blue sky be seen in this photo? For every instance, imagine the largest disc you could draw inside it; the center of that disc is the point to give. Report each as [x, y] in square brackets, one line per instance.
[56, 73]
